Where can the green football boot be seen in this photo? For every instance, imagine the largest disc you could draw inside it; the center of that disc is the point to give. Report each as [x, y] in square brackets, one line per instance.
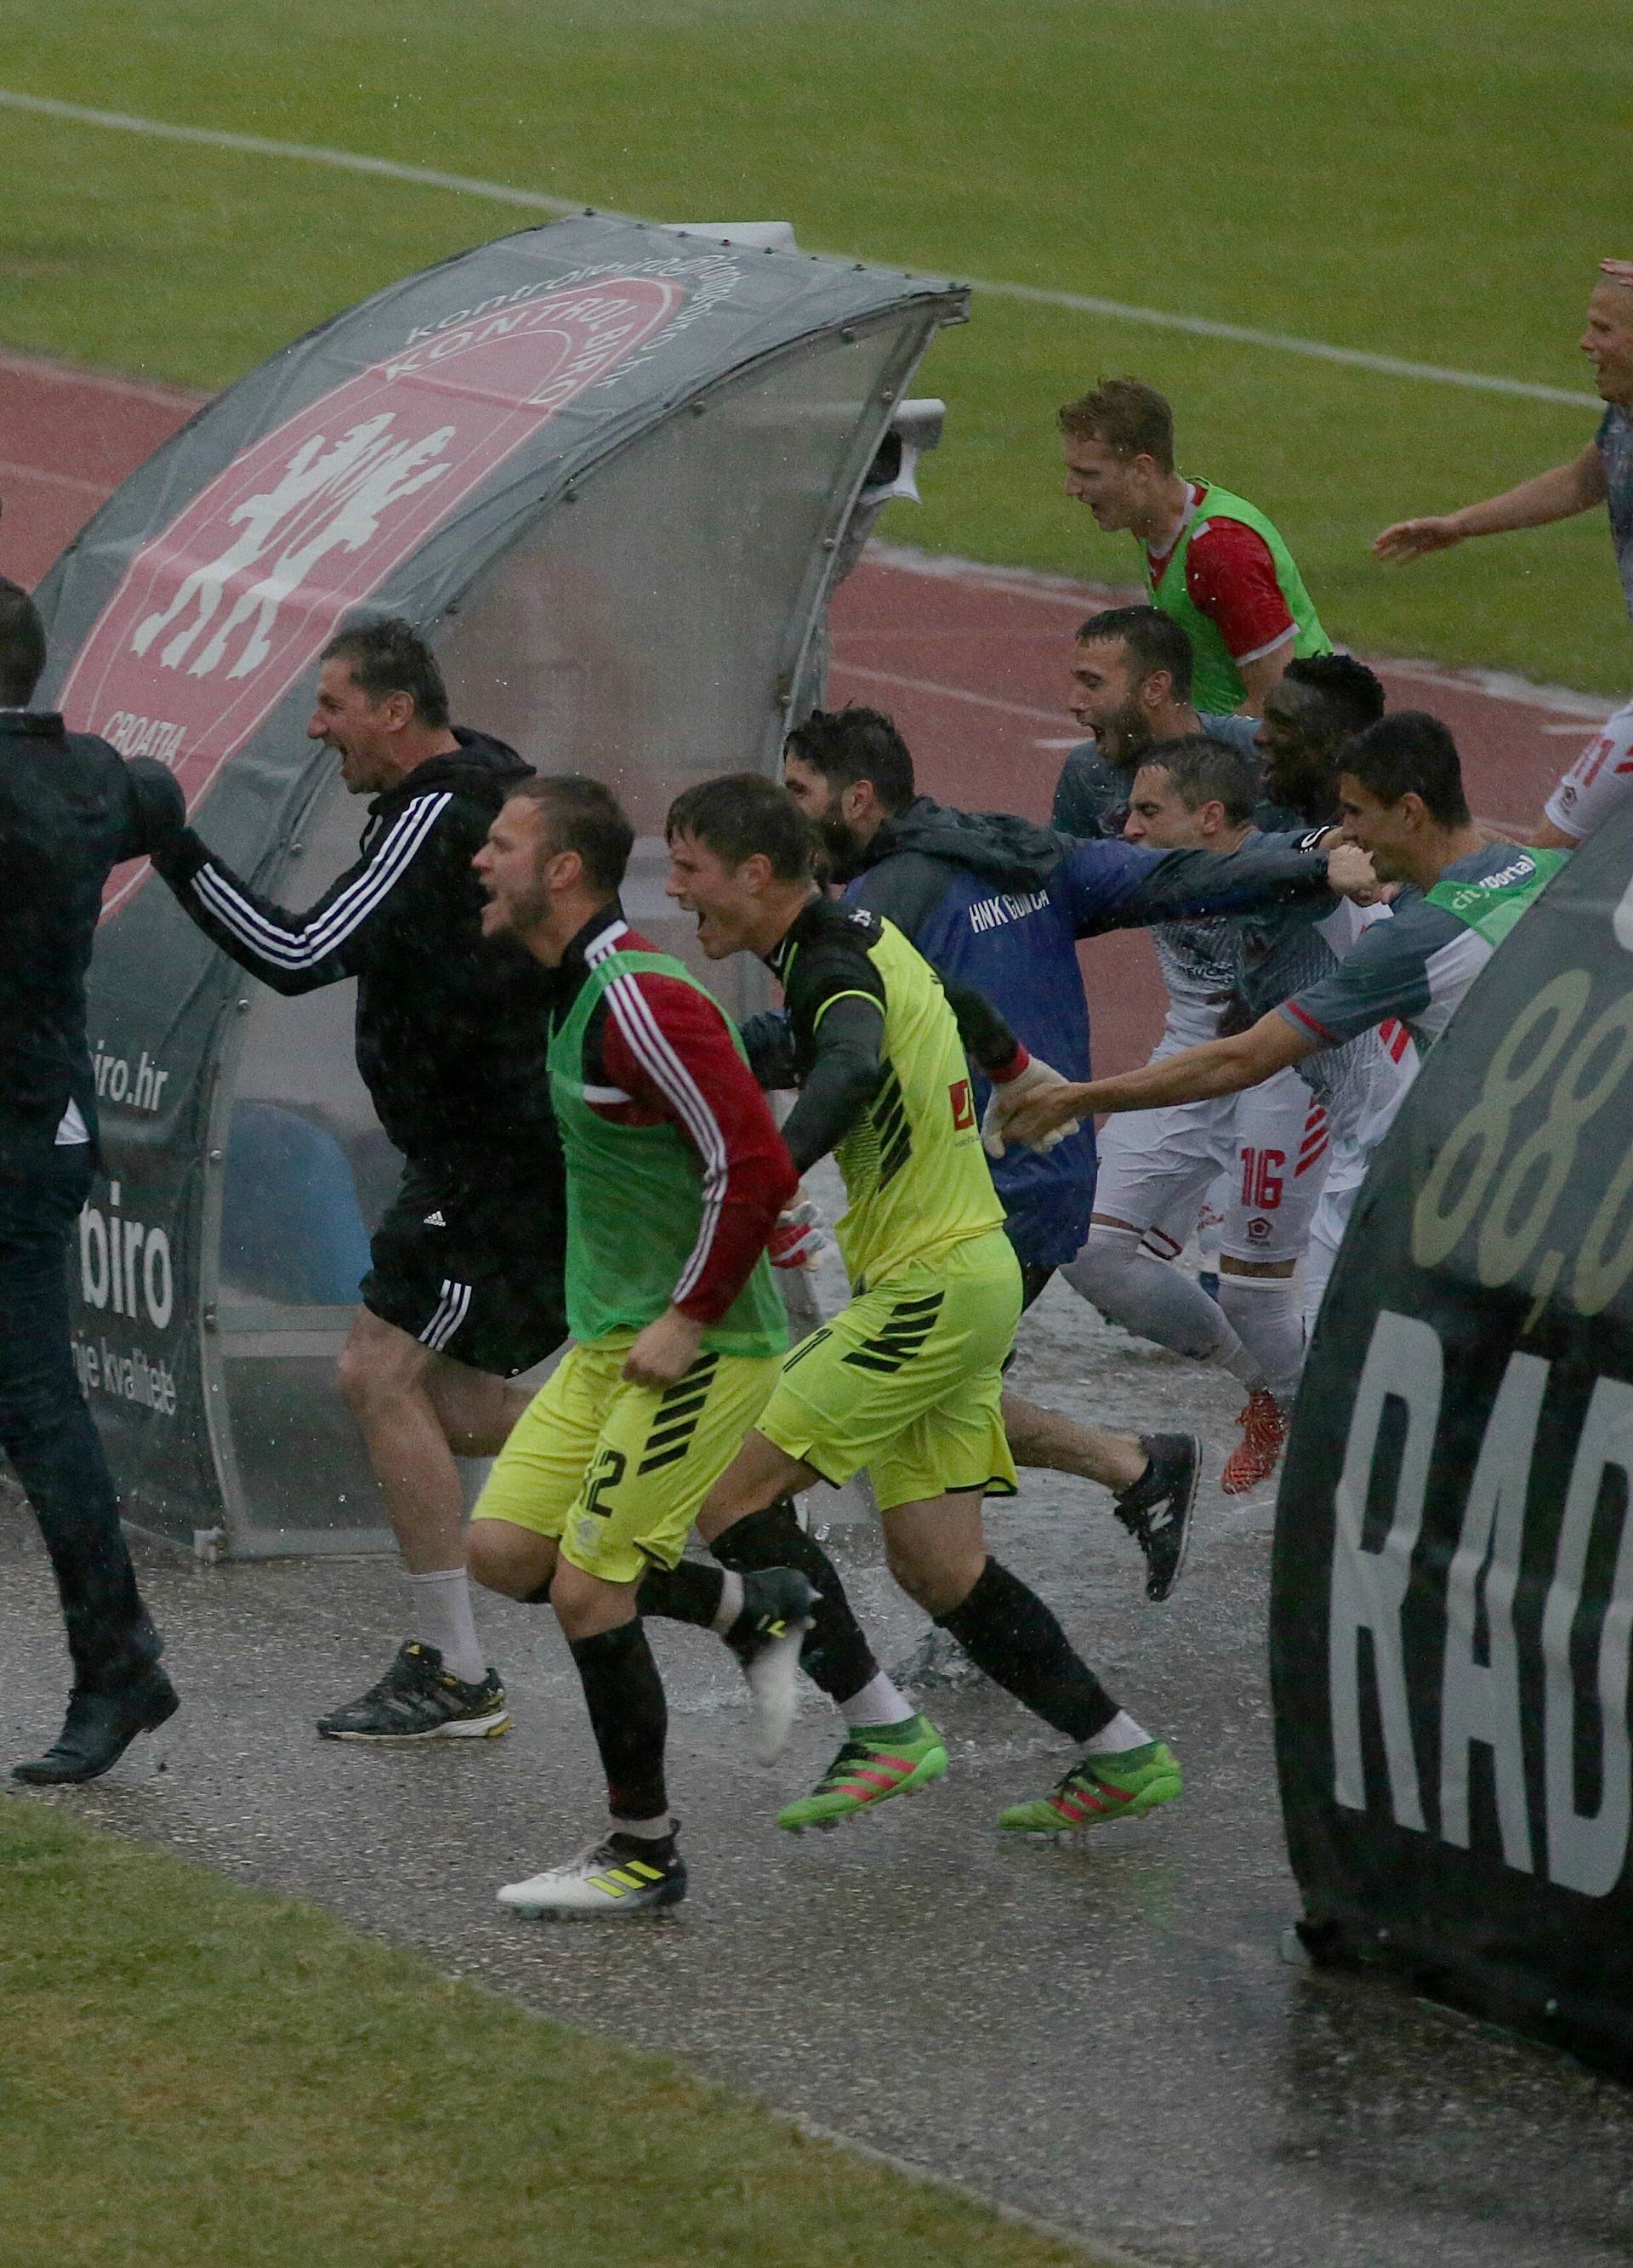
[875, 1763]
[1123, 1784]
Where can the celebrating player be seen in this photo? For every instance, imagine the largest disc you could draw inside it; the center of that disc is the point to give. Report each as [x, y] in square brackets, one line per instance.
[997, 904]
[1602, 472]
[1319, 706]
[1400, 796]
[1309, 713]
[675, 1176]
[1132, 685]
[906, 1380]
[1194, 790]
[1212, 561]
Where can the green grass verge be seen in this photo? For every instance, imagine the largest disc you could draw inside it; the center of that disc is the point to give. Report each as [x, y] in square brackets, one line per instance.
[202, 2076]
[1429, 183]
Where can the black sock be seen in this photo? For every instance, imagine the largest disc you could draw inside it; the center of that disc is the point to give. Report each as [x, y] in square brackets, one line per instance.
[657, 1850]
[683, 1594]
[630, 1718]
[835, 1655]
[1007, 1631]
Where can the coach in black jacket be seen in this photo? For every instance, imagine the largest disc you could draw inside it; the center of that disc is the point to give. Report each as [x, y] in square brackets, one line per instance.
[70, 809]
[465, 1289]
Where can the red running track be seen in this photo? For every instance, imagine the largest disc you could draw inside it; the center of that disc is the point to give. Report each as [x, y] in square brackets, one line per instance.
[971, 661]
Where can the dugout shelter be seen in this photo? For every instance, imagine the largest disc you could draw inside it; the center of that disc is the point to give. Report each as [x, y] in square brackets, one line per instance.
[608, 469]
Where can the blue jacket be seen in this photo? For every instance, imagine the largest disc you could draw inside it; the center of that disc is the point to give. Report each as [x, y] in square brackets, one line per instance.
[1000, 904]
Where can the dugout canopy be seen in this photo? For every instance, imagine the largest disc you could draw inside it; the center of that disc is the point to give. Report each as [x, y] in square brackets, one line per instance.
[608, 469]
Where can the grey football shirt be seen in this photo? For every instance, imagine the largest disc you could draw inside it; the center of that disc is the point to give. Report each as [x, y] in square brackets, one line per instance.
[1415, 967]
[1615, 439]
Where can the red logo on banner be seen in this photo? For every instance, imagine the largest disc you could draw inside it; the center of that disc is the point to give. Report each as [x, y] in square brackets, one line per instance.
[216, 619]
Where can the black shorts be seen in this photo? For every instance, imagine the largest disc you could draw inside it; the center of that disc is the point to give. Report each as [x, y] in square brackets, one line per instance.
[473, 1268]
[1034, 1279]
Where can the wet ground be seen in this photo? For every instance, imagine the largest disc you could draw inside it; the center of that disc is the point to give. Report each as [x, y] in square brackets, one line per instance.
[1111, 2037]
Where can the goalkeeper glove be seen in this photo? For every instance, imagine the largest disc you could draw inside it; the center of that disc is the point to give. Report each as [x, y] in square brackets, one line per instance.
[797, 1237]
[1034, 1073]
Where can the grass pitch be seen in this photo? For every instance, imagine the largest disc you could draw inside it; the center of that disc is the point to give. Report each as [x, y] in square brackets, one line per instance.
[1433, 184]
[202, 2076]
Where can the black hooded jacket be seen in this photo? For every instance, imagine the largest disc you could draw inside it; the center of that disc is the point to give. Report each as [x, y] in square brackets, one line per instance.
[452, 1026]
[921, 842]
[70, 810]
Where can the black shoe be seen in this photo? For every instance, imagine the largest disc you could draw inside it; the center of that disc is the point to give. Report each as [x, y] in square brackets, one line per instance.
[766, 1637]
[1156, 1509]
[99, 1728]
[418, 1699]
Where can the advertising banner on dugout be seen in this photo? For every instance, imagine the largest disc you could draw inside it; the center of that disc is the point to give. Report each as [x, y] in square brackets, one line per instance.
[390, 458]
[1452, 1586]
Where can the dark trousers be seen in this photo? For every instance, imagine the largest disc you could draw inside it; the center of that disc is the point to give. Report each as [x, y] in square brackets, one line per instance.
[47, 1431]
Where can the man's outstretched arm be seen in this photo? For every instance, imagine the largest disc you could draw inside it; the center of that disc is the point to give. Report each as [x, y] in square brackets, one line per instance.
[1125, 886]
[296, 952]
[1195, 1075]
[1576, 486]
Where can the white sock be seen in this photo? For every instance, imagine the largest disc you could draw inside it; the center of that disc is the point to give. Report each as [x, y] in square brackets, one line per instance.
[442, 1619]
[1160, 1302]
[879, 1703]
[730, 1603]
[1267, 1314]
[1122, 1733]
[646, 1831]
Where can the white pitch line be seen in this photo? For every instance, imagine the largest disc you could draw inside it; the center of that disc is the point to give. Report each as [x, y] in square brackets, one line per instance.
[11, 472]
[97, 381]
[1203, 326]
[1120, 310]
[311, 153]
[948, 692]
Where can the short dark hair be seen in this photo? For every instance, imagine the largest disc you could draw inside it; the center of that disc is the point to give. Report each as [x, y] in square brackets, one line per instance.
[22, 645]
[851, 743]
[385, 655]
[1410, 753]
[742, 813]
[1206, 771]
[1154, 640]
[1350, 692]
[1130, 417]
[582, 815]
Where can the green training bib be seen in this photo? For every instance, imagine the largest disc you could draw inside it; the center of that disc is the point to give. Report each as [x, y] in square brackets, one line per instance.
[1216, 683]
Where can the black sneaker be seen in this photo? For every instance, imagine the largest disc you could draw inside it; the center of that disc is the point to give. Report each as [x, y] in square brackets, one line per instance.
[418, 1699]
[766, 1637]
[614, 1879]
[1156, 1509]
[99, 1728]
